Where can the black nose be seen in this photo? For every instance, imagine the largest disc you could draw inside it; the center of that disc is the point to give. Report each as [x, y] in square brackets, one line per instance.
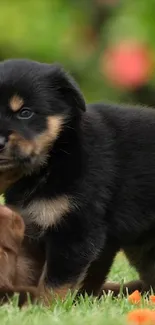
[2, 143]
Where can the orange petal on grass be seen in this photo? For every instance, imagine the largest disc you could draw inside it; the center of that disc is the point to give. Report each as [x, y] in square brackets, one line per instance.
[152, 299]
[135, 297]
[141, 316]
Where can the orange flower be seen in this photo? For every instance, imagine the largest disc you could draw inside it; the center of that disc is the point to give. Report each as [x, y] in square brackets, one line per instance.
[141, 316]
[152, 299]
[135, 297]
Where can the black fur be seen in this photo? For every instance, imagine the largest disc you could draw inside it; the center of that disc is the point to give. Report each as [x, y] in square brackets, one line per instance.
[103, 160]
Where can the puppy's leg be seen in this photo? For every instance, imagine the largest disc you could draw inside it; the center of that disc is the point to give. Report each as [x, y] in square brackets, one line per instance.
[30, 263]
[98, 271]
[143, 259]
[94, 282]
[69, 267]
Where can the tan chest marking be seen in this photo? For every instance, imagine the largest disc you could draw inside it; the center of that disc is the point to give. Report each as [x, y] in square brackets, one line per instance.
[46, 213]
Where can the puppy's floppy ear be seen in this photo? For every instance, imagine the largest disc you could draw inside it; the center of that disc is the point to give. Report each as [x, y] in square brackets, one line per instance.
[66, 87]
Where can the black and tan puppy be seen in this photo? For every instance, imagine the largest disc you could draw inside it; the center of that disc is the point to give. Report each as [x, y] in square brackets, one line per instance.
[88, 176]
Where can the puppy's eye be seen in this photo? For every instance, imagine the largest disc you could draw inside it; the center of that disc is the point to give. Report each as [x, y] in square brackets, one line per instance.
[25, 113]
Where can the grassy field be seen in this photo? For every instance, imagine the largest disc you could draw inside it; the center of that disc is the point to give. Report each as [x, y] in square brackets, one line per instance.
[87, 311]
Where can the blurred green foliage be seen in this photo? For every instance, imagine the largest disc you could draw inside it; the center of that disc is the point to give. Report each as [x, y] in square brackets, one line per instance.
[75, 33]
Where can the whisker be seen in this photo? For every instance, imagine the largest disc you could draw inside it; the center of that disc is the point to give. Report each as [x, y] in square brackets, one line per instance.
[68, 153]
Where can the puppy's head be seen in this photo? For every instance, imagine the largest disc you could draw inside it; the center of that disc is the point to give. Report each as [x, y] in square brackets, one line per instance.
[37, 101]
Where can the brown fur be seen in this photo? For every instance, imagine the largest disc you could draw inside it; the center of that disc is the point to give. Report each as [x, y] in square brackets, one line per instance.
[11, 236]
[17, 272]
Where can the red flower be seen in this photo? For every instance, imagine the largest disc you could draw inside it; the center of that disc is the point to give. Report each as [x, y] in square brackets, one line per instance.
[128, 64]
[135, 297]
[152, 299]
[141, 316]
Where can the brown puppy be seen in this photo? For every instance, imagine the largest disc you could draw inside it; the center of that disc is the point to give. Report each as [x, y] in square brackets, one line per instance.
[13, 268]
[21, 267]
[11, 236]
[22, 261]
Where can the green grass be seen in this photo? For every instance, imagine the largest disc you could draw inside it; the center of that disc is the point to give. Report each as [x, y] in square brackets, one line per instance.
[1, 199]
[88, 311]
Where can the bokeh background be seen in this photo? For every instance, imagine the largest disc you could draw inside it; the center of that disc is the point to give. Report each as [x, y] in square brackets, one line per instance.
[107, 45]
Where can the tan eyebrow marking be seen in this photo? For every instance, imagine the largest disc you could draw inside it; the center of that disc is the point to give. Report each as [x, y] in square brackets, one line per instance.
[16, 102]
